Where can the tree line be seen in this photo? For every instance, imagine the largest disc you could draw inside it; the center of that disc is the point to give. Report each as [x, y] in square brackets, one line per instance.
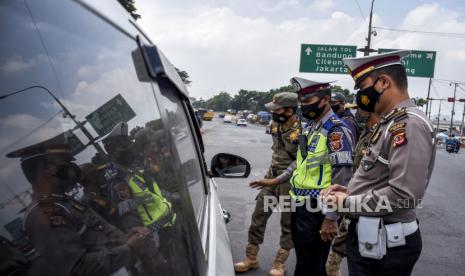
[251, 99]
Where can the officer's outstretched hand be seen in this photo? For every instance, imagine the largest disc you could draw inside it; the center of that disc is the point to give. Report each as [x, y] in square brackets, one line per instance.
[328, 230]
[332, 189]
[263, 183]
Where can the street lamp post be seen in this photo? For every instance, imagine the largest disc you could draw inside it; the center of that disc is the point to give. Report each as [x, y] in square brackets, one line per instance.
[79, 125]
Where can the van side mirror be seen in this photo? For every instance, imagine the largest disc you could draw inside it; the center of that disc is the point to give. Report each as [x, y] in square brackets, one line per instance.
[227, 165]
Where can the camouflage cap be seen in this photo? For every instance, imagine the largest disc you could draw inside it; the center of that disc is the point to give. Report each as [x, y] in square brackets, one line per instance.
[283, 99]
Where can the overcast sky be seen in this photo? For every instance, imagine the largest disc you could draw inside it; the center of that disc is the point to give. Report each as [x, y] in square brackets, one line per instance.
[232, 44]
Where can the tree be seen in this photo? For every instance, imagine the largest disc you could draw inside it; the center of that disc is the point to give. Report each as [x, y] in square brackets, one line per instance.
[130, 7]
[220, 102]
[349, 97]
[420, 101]
[184, 76]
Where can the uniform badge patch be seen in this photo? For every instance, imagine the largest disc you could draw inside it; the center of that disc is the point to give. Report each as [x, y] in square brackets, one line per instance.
[335, 141]
[274, 130]
[294, 135]
[399, 139]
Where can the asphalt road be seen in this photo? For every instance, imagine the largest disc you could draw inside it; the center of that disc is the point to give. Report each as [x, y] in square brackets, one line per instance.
[442, 217]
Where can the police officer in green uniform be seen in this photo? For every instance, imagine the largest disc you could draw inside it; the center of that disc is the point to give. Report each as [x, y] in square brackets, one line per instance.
[70, 238]
[393, 174]
[285, 130]
[324, 157]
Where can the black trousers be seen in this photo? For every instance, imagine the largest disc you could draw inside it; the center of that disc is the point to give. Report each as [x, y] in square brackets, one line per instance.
[398, 261]
[311, 251]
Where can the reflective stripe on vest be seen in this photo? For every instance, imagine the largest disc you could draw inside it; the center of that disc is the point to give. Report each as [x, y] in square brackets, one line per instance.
[314, 172]
[151, 207]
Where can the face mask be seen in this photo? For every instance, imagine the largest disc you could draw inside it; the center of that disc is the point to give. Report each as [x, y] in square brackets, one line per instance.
[368, 97]
[69, 174]
[335, 108]
[312, 111]
[280, 118]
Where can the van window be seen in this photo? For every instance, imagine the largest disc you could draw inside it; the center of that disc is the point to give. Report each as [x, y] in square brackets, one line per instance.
[89, 177]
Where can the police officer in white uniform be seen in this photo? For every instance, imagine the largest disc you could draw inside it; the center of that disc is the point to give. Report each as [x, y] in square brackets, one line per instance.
[384, 237]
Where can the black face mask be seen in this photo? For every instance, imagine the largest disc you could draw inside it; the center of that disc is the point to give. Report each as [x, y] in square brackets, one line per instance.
[280, 118]
[69, 174]
[368, 97]
[335, 108]
[312, 111]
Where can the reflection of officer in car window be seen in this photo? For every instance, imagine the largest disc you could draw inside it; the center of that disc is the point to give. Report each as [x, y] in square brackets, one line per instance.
[137, 197]
[95, 190]
[70, 238]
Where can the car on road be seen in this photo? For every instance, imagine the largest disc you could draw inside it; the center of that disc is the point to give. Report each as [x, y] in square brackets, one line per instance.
[227, 119]
[90, 71]
[241, 122]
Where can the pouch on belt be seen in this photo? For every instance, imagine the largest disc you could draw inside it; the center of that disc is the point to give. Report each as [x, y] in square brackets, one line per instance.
[371, 237]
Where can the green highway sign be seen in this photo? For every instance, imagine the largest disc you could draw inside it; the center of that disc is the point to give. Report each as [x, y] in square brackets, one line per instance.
[109, 114]
[418, 63]
[319, 58]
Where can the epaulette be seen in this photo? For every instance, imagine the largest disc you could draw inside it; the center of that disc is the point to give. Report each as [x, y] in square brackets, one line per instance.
[396, 115]
[336, 121]
[78, 206]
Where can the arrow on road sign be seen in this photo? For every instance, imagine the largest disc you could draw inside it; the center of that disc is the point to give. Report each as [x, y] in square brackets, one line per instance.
[308, 51]
[429, 55]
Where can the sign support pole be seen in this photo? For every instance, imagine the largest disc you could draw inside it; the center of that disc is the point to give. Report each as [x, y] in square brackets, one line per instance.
[428, 100]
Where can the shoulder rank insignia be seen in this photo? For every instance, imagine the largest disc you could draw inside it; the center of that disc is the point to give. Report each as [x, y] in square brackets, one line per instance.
[336, 121]
[396, 114]
[79, 207]
[335, 141]
[397, 128]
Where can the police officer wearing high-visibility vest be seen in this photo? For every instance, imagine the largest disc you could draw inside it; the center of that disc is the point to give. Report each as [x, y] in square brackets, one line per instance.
[138, 198]
[69, 237]
[324, 157]
[383, 237]
[130, 191]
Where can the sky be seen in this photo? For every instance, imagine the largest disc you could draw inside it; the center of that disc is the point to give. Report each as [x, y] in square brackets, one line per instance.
[241, 44]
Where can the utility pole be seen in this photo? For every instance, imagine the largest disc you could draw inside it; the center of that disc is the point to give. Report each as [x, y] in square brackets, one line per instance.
[453, 108]
[463, 117]
[439, 116]
[367, 49]
[428, 99]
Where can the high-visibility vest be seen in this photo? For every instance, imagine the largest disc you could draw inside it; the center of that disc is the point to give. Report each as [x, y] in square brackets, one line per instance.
[313, 172]
[153, 208]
